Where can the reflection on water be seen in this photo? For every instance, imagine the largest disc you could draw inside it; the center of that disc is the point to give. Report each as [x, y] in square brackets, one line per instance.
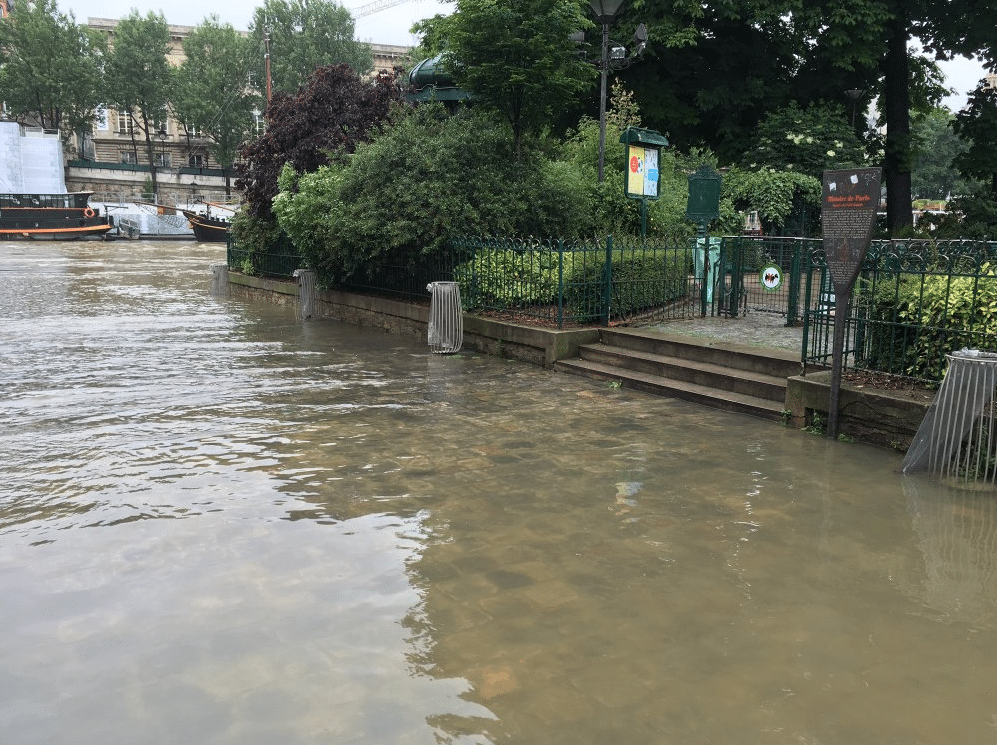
[220, 524]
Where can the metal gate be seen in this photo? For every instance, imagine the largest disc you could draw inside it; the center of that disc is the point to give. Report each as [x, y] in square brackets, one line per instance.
[760, 274]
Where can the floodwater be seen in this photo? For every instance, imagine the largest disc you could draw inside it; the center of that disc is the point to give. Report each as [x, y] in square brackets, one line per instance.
[221, 524]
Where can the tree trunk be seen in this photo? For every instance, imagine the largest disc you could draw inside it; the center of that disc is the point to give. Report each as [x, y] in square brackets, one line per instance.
[896, 107]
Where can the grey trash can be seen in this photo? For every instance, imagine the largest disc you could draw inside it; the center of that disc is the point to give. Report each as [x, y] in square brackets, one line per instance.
[446, 318]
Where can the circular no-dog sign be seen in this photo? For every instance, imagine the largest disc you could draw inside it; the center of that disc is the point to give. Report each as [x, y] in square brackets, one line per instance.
[770, 277]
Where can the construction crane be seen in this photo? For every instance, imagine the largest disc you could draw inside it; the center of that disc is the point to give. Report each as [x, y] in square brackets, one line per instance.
[374, 7]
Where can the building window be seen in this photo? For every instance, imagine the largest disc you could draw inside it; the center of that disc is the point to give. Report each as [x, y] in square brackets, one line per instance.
[162, 160]
[128, 156]
[196, 161]
[126, 125]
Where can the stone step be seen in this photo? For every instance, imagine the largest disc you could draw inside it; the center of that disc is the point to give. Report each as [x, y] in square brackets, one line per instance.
[776, 362]
[707, 374]
[662, 386]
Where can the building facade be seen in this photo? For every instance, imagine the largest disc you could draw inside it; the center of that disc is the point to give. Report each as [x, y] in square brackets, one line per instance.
[114, 164]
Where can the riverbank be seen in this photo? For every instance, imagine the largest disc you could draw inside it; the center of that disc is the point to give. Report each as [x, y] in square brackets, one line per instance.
[874, 414]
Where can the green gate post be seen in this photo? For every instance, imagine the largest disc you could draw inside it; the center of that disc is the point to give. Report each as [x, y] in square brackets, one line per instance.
[703, 233]
[607, 272]
[793, 309]
[702, 208]
[560, 284]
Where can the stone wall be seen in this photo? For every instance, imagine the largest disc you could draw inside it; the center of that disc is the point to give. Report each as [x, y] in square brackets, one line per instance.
[879, 416]
[537, 346]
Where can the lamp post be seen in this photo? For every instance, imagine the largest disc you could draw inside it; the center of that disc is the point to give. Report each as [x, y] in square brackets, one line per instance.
[605, 11]
[854, 94]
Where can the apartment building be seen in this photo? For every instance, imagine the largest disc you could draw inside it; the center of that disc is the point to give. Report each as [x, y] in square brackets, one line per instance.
[106, 161]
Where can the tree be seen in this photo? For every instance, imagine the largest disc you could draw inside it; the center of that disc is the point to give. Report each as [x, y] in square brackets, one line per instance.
[976, 125]
[877, 34]
[139, 79]
[51, 69]
[936, 146]
[518, 59]
[305, 35]
[713, 70]
[211, 94]
[331, 114]
[809, 141]
[431, 33]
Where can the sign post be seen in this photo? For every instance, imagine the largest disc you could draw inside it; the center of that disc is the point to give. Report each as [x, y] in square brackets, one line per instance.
[702, 208]
[848, 214]
[640, 179]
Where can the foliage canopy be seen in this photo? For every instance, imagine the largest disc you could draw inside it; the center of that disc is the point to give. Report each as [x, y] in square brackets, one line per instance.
[305, 35]
[211, 97]
[331, 114]
[51, 69]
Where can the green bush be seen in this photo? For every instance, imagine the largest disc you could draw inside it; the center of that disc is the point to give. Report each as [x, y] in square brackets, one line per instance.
[508, 278]
[642, 279]
[254, 237]
[914, 322]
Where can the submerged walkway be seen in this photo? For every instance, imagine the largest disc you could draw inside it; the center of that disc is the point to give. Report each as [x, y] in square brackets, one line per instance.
[756, 328]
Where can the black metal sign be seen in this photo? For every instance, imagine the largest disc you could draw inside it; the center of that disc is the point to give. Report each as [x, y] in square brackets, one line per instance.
[851, 200]
[848, 214]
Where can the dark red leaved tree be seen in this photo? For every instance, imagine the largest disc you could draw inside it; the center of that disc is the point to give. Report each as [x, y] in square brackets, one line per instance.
[330, 115]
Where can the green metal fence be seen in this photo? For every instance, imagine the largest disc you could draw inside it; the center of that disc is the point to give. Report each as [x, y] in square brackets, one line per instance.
[569, 283]
[914, 301]
[544, 282]
[742, 287]
[278, 261]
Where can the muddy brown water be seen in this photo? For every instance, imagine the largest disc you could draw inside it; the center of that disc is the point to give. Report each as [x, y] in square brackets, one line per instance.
[221, 524]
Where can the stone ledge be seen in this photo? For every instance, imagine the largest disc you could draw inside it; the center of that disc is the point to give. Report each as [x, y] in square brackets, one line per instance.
[873, 415]
[537, 346]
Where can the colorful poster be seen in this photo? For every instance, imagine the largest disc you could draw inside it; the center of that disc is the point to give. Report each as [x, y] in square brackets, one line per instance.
[642, 172]
[650, 173]
[635, 171]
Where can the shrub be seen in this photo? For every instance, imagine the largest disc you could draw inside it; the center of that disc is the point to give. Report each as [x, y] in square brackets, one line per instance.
[642, 279]
[914, 322]
[507, 278]
[255, 237]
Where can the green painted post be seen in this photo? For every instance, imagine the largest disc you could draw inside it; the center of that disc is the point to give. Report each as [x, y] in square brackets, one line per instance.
[560, 283]
[793, 311]
[608, 274]
[703, 291]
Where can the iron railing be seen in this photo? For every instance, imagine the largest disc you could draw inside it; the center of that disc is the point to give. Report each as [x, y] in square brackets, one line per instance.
[914, 302]
[741, 286]
[278, 261]
[569, 283]
[553, 283]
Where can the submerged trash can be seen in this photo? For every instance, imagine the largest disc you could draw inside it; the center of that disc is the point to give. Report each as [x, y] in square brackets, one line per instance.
[958, 436]
[446, 318]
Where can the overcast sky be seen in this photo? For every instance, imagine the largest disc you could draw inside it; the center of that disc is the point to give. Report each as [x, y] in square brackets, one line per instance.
[388, 26]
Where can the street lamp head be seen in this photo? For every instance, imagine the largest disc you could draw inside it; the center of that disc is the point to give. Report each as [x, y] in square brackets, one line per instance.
[606, 10]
